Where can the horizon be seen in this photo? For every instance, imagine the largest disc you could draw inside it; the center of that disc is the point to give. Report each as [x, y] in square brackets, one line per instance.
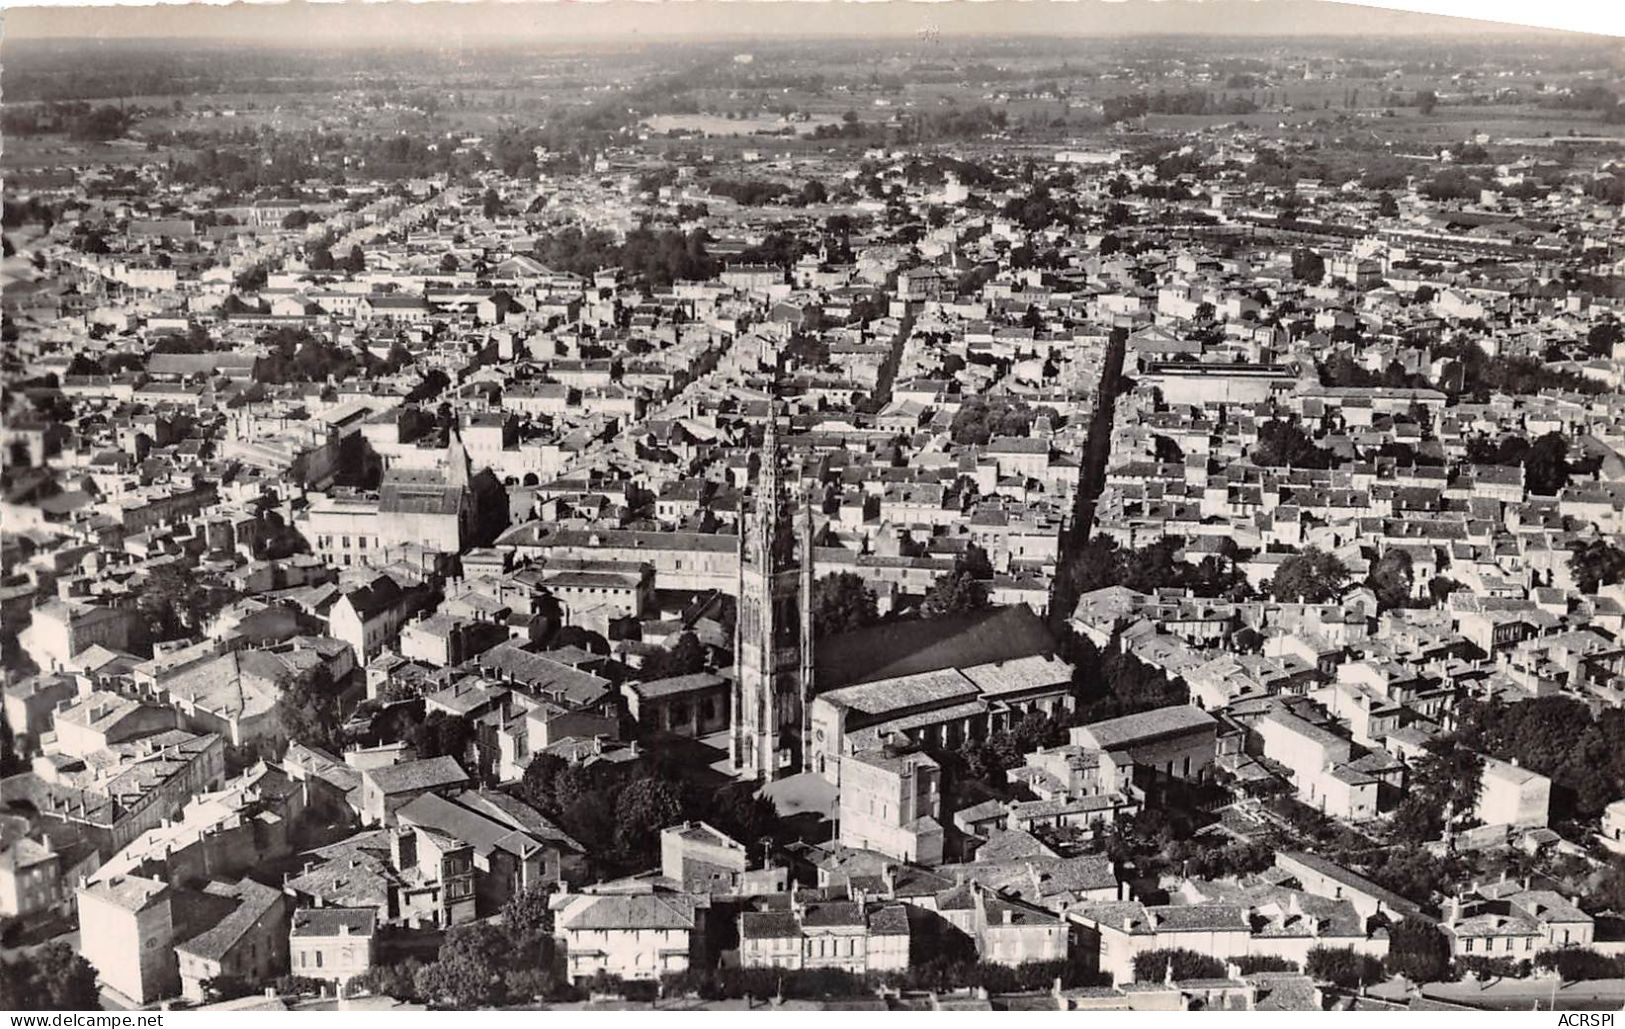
[487, 23]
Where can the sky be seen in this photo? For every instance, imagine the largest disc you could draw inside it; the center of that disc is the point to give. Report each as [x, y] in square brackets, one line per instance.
[593, 20]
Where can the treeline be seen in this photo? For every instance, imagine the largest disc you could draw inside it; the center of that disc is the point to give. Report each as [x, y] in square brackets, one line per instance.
[660, 256]
[79, 121]
[749, 192]
[1477, 375]
[1558, 737]
[938, 974]
[1195, 101]
[1101, 562]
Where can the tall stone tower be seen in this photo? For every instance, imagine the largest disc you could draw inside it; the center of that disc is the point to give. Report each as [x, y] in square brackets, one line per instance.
[773, 655]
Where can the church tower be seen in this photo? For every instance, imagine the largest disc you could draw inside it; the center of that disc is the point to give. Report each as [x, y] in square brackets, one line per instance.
[773, 625]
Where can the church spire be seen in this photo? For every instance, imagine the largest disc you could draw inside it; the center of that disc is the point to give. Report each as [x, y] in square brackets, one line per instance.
[767, 498]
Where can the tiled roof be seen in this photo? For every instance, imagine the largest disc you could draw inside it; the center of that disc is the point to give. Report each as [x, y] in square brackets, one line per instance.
[431, 773]
[334, 921]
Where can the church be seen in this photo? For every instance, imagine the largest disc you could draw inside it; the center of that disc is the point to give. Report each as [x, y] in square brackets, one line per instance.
[801, 704]
[773, 631]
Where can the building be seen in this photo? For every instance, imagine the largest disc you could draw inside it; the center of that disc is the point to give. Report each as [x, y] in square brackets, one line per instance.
[633, 936]
[1006, 931]
[684, 705]
[696, 853]
[1318, 759]
[506, 860]
[1510, 795]
[248, 944]
[891, 803]
[127, 930]
[104, 719]
[33, 879]
[1222, 919]
[848, 935]
[773, 638]
[370, 618]
[1179, 742]
[385, 790]
[335, 944]
[62, 630]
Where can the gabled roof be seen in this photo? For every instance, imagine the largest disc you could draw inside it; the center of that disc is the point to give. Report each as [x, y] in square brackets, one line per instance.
[432, 773]
[930, 645]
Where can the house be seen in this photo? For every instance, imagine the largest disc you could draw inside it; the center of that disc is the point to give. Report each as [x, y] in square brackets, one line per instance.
[633, 936]
[335, 944]
[150, 940]
[506, 860]
[103, 719]
[35, 876]
[127, 931]
[699, 854]
[63, 630]
[250, 943]
[1006, 930]
[370, 618]
[1510, 795]
[1225, 919]
[1315, 874]
[848, 935]
[385, 790]
[1179, 741]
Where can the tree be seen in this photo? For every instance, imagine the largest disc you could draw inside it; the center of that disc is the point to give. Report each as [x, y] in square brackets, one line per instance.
[1387, 207]
[1417, 950]
[1391, 579]
[319, 258]
[49, 978]
[1308, 266]
[1545, 466]
[686, 657]
[1426, 101]
[442, 734]
[490, 204]
[537, 786]
[1284, 444]
[528, 921]
[1247, 964]
[1153, 966]
[842, 602]
[226, 987]
[309, 710]
[10, 762]
[1312, 577]
[1343, 967]
[392, 980]
[643, 808]
[1440, 587]
[177, 604]
[1579, 964]
[954, 592]
[1597, 563]
[979, 419]
[469, 970]
[448, 263]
